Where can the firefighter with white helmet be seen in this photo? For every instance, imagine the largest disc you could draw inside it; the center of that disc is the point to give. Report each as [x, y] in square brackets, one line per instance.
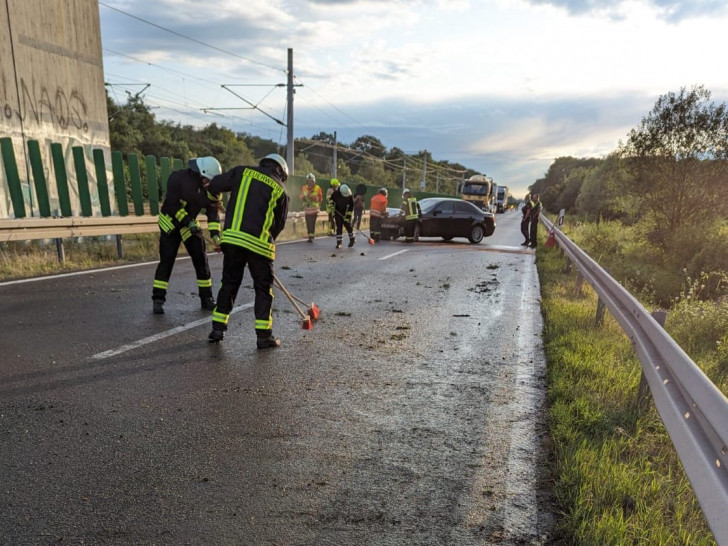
[412, 212]
[312, 196]
[255, 216]
[343, 209]
[186, 195]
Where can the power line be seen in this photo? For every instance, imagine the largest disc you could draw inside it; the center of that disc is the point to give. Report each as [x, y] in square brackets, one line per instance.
[195, 40]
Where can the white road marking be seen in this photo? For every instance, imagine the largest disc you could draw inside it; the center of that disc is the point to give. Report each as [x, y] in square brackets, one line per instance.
[161, 335]
[105, 269]
[392, 255]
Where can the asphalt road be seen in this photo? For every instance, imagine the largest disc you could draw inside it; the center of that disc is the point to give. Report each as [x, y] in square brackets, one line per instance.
[412, 412]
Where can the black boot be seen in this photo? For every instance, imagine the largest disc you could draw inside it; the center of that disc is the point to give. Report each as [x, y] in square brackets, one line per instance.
[158, 307]
[207, 303]
[267, 341]
[351, 241]
[216, 335]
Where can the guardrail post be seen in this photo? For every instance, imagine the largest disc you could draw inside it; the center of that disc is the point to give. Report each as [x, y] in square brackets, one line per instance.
[59, 166]
[101, 182]
[600, 313]
[643, 391]
[119, 247]
[567, 267]
[11, 171]
[39, 179]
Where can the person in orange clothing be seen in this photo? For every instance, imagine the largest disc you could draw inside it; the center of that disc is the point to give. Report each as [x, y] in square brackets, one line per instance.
[312, 197]
[377, 211]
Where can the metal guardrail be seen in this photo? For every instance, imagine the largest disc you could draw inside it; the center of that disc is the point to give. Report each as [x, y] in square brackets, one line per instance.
[26, 229]
[692, 408]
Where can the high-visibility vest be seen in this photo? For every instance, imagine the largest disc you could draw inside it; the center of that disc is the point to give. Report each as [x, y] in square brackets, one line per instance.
[311, 197]
[378, 206]
[410, 209]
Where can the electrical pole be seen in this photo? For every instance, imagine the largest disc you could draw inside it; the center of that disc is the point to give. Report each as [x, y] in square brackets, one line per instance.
[424, 171]
[289, 124]
[333, 170]
[404, 173]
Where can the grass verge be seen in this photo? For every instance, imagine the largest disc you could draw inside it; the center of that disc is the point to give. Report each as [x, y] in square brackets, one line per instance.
[19, 260]
[617, 477]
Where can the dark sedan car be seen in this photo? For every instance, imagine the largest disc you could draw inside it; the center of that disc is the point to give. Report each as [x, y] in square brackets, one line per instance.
[444, 217]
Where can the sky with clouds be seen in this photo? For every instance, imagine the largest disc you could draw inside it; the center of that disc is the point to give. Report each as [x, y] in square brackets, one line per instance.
[501, 86]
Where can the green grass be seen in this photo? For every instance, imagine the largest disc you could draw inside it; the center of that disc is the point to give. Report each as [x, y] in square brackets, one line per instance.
[35, 258]
[617, 478]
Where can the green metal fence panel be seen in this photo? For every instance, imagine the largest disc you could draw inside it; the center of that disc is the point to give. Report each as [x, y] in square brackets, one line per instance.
[101, 181]
[84, 194]
[39, 178]
[59, 167]
[177, 164]
[152, 186]
[117, 168]
[136, 184]
[165, 167]
[11, 171]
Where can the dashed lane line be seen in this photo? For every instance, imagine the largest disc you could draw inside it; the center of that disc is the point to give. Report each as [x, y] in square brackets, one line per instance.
[161, 335]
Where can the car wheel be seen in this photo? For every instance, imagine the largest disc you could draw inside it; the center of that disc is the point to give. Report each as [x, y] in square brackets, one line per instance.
[476, 234]
[447, 238]
[417, 232]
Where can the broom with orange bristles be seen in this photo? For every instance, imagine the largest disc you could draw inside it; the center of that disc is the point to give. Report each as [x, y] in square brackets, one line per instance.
[306, 318]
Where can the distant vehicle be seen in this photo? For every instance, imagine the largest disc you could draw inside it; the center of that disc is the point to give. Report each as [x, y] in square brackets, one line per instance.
[443, 217]
[501, 200]
[477, 190]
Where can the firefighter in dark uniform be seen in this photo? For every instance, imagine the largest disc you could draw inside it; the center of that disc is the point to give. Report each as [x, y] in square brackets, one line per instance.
[534, 214]
[412, 212]
[343, 211]
[187, 194]
[526, 211]
[255, 216]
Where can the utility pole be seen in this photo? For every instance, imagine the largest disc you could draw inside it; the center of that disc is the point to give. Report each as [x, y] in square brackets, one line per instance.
[404, 173]
[336, 161]
[424, 170]
[289, 124]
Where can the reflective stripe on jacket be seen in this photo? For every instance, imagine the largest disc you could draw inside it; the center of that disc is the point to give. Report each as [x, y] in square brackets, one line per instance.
[410, 209]
[257, 209]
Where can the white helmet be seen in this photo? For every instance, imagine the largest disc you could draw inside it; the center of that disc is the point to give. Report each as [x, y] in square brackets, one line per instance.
[405, 192]
[345, 190]
[207, 166]
[281, 163]
[383, 191]
[310, 176]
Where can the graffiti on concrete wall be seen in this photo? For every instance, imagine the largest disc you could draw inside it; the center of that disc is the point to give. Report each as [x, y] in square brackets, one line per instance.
[41, 105]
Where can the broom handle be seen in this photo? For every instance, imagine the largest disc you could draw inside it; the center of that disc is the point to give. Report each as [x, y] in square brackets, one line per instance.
[289, 296]
[357, 230]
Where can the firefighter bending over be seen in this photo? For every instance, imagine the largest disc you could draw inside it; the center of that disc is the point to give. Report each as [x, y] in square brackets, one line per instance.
[255, 216]
[187, 194]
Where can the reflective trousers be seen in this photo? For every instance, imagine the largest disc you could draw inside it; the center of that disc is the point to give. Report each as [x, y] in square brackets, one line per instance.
[168, 248]
[233, 267]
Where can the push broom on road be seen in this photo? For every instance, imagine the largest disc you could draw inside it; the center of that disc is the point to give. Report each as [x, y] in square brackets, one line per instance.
[313, 312]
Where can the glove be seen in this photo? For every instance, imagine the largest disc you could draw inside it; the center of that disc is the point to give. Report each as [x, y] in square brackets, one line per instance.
[194, 228]
[216, 240]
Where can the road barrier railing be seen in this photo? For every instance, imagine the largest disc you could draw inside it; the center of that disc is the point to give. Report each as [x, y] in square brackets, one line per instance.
[693, 409]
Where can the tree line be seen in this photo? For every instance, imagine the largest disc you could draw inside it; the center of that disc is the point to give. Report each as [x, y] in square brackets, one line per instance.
[665, 186]
[134, 128]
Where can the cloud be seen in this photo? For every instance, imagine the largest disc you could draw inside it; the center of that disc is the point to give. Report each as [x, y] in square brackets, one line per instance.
[673, 11]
